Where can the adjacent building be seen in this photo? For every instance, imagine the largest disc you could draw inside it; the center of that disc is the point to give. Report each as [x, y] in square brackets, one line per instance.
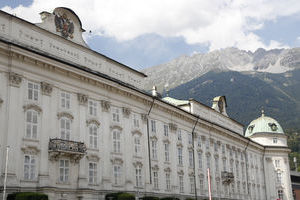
[80, 125]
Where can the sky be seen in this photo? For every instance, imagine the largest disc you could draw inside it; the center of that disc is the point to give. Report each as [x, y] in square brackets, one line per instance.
[144, 33]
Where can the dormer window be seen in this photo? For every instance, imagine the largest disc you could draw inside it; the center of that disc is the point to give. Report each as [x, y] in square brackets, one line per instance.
[275, 140]
[273, 126]
[250, 128]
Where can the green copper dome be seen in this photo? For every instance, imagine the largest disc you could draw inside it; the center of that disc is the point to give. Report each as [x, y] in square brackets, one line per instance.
[263, 124]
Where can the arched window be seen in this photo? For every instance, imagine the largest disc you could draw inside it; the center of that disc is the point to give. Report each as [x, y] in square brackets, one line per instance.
[65, 128]
[93, 136]
[116, 141]
[31, 123]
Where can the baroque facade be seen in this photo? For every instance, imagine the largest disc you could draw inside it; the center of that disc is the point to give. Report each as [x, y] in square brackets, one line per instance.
[79, 125]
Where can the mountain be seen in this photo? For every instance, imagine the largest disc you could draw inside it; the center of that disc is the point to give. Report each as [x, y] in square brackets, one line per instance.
[247, 92]
[187, 68]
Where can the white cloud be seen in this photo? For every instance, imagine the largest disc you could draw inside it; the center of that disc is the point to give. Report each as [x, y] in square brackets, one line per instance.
[217, 23]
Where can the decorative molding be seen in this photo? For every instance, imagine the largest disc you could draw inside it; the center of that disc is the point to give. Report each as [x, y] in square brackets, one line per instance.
[82, 98]
[126, 112]
[32, 150]
[32, 107]
[65, 114]
[218, 142]
[46, 88]
[155, 168]
[136, 132]
[168, 169]
[116, 127]
[203, 138]
[92, 121]
[233, 148]
[105, 105]
[268, 159]
[212, 141]
[153, 138]
[191, 173]
[93, 157]
[179, 144]
[14, 79]
[173, 127]
[180, 172]
[216, 156]
[208, 154]
[166, 141]
[118, 161]
[137, 163]
[144, 117]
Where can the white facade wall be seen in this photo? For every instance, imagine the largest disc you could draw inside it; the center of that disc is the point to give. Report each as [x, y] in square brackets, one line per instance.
[254, 174]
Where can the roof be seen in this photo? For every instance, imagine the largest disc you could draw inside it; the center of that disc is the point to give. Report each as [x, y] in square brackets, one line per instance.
[263, 124]
[175, 102]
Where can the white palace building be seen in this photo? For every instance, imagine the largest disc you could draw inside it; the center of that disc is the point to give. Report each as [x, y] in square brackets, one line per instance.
[80, 125]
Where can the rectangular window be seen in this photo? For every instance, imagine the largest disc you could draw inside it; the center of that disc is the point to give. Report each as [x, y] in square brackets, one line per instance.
[166, 130]
[280, 194]
[277, 163]
[217, 165]
[155, 180]
[65, 128]
[65, 100]
[168, 181]
[64, 170]
[33, 91]
[154, 149]
[190, 139]
[215, 147]
[116, 114]
[92, 108]
[181, 184]
[237, 169]
[29, 167]
[199, 141]
[207, 144]
[137, 145]
[278, 177]
[191, 160]
[200, 160]
[93, 173]
[116, 141]
[180, 156]
[136, 121]
[138, 176]
[275, 140]
[153, 126]
[93, 131]
[179, 137]
[167, 152]
[192, 184]
[224, 165]
[31, 124]
[208, 162]
[117, 174]
[223, 149]
[201, 185]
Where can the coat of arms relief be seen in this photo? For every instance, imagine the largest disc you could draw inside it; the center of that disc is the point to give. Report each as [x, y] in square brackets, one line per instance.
[64, 25]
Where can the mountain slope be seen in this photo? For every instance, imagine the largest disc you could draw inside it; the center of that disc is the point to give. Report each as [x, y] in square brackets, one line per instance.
[247, 93]
[187, 68]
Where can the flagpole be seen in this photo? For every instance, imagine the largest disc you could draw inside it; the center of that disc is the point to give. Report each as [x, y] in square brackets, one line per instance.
[5, 174]
[209, 184]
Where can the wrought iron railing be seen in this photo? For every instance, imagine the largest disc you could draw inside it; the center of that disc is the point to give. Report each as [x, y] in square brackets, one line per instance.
[67, 146]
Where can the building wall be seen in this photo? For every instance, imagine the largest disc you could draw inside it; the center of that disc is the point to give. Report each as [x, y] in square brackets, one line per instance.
[218, 145]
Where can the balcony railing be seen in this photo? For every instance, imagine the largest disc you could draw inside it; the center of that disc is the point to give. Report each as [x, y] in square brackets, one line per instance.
[59, 147]
[227, 177]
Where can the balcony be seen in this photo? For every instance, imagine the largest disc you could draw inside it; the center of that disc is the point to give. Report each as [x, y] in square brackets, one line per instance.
[72, 149]
[227, 177]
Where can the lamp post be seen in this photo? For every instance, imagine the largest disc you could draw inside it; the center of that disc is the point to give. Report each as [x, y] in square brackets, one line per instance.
[5, 173]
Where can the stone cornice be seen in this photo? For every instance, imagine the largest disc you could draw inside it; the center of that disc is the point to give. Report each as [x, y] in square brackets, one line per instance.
[32, 106]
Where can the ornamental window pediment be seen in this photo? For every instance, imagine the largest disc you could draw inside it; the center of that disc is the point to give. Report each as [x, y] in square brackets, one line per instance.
[117, 161]
[154, 138]
[180, 172]
[92, 121]
[168, 169]
[32, 106]
[82, 99]
[65, 114]
[155, 168]
[136, 132]
[32, 150]
[126, 112]
[137, 163]
[93, 157]
[112, 127]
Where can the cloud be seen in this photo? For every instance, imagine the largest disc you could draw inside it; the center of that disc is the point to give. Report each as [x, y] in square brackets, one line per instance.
[216, 23]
